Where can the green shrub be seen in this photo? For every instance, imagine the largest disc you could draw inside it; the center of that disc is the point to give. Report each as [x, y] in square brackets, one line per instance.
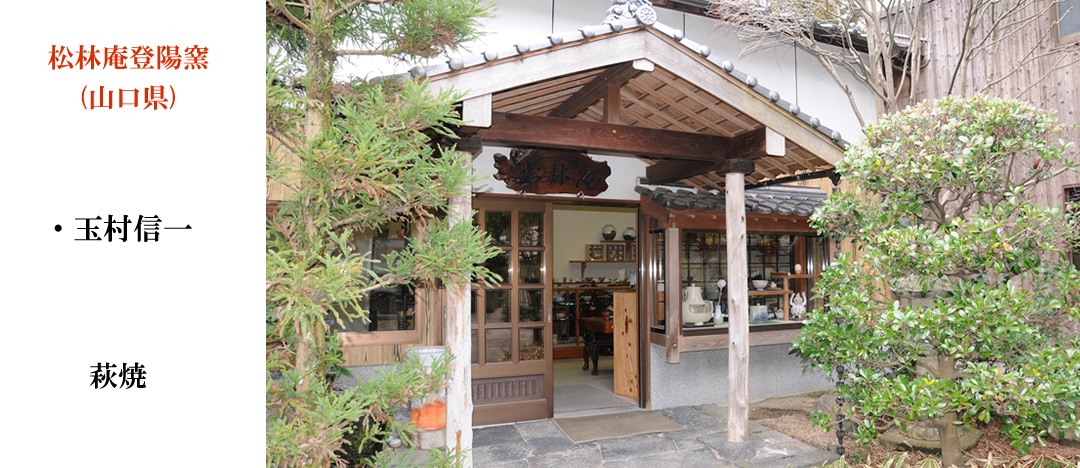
[942, 203]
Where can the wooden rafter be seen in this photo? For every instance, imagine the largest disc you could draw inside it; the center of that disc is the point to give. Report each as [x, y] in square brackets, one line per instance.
[539, 89]
[658, 106]
[689, 112]
[595, 89]
[641, 115]
[705, 99]
[671, 120]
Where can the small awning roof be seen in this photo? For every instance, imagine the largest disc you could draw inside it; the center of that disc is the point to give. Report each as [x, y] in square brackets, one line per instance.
[696, 105]
[797, 201]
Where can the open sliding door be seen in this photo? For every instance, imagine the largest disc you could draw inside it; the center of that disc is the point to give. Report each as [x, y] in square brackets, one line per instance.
[511, 322]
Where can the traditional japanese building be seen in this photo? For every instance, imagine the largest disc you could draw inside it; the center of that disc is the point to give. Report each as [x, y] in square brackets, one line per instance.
[624, 169]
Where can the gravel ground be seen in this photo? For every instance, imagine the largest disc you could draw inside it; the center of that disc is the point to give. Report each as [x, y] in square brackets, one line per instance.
[992, 450]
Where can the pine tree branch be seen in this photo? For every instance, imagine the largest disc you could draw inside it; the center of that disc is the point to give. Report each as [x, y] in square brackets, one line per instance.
[279, 6]
[360, 52]
[347, 7]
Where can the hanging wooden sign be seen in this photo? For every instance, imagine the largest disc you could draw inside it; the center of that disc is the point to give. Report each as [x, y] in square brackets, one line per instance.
[542, 170]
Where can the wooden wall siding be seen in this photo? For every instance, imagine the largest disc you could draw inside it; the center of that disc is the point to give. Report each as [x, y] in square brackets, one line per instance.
[429, 306]
[277, 191]
[1060, 89]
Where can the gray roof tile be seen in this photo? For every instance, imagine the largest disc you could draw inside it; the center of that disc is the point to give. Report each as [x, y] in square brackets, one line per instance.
[767, 200]
[611, 27]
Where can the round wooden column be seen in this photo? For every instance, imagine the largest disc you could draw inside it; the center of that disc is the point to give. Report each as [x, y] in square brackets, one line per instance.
[738, 300]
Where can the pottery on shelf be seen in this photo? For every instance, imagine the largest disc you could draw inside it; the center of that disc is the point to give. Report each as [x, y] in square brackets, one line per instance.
[608, 232]
[629, 234]
[798, 269]
[695, 309]
[759, 313]
[759, 284]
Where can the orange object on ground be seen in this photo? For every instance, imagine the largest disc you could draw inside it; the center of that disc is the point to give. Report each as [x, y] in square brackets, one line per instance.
[430, 417]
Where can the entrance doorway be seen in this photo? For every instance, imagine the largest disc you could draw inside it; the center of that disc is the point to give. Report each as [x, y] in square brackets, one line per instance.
[589, 272]
[543, 339]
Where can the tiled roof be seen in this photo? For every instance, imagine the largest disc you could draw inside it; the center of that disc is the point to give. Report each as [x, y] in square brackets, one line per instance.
[614, 23]
[769, 200]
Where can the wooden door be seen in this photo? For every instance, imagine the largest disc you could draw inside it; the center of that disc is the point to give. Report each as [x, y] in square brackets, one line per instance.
[511, 322]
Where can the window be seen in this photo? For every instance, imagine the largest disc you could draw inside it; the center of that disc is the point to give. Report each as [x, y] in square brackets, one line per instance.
[394, 309]
[1068, 15]
[703, 261]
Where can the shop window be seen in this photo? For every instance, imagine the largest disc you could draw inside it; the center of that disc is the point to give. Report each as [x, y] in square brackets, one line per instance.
[703, 262]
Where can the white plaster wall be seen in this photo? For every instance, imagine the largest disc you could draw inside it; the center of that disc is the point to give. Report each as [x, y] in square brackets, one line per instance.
[576, 226]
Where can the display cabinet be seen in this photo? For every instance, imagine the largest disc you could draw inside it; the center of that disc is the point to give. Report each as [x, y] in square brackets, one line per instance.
[769, 257]
[608, 252]
[571, 303]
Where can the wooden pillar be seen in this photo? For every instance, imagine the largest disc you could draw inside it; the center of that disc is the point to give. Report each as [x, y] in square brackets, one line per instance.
[459, 405]
[738, 300]
[672, 292]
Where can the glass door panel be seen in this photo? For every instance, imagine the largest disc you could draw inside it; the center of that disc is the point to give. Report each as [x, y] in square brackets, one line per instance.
[512, 371]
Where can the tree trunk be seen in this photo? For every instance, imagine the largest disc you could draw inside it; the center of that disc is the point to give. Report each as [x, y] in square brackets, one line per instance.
[320, 62]
[948, 431]
[951, 456]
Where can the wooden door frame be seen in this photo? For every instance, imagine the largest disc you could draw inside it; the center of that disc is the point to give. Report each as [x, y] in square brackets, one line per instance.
[498, 373]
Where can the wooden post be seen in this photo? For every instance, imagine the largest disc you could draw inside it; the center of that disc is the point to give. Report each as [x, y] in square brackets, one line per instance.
[738, 306]
[459, 405]
[672, 293]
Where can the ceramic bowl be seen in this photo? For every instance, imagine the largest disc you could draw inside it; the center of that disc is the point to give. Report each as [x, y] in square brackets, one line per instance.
[759, 284]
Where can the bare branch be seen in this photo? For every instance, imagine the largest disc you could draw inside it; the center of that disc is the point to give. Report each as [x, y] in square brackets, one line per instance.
[1056, 67]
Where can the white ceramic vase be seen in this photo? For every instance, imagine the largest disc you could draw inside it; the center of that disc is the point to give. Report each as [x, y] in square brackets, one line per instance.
[695, 309]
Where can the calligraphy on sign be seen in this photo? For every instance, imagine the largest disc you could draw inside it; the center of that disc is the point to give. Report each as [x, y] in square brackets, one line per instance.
[542, 170]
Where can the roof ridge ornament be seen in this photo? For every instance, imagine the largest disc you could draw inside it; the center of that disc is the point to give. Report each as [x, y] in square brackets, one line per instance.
[641, 10]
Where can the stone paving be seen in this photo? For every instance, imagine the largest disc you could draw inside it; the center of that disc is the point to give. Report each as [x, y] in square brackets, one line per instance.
[703, 442]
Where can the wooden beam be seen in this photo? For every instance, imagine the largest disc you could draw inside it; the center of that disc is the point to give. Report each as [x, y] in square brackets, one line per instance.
[740, 166]
[542, 65]
[673, 170]
[612, 104]
[745, 148]
[476, 112]
[471, 144]
[617, 75]
[738, 309]
[775, 143]
[550, 132]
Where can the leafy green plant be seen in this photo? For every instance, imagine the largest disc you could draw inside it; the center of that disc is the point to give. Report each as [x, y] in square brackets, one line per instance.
[351, 157]
[942, 216]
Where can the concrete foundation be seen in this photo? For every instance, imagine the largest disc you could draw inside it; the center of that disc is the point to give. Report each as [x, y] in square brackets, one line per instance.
[701, 376]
